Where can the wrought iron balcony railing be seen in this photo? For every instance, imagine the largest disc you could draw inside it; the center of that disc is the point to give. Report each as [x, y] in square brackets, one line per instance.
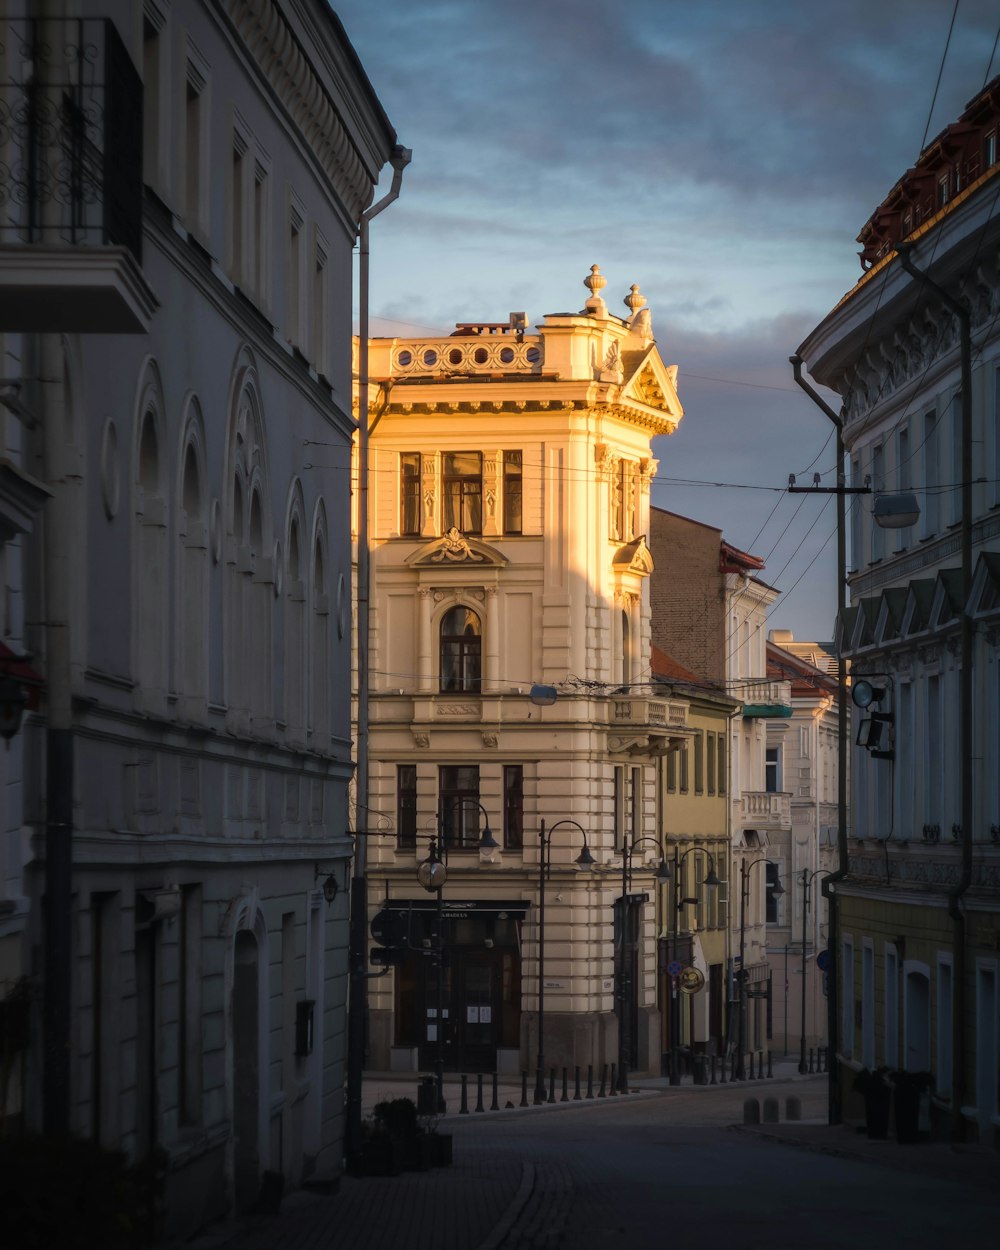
[70, 135]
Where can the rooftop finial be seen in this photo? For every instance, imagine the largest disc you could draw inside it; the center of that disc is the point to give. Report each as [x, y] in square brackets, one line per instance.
[595, 282]
[635, 299]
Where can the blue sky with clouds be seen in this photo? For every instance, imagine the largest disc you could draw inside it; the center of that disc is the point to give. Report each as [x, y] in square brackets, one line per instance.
[723, 155]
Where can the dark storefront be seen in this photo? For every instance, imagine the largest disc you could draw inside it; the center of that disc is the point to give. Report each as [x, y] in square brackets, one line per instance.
[474, 989]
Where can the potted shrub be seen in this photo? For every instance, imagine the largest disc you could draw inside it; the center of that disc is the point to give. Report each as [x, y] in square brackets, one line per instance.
[398, 1118]
[874, 1087]
[440, 1143]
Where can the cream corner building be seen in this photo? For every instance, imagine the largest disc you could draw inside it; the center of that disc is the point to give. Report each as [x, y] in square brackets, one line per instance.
[509, 509]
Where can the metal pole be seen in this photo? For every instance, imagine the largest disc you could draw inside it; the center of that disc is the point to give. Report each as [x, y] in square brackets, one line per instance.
[540, 1061]
[622, 1006]
[805, 914]
[675, 1023]
[439, 1056]
[744, 884]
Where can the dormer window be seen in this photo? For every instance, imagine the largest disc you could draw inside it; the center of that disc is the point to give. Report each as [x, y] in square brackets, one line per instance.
[990, 149]
[943, 188]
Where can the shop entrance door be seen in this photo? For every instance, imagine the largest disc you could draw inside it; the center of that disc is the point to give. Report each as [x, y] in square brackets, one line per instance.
[476, 983]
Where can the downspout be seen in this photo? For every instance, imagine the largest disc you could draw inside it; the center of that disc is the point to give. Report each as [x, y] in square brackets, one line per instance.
[956, 893]
[358, 964]
[829, 882]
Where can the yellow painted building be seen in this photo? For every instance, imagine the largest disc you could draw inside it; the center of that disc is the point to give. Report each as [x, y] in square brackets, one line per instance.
[508, 664]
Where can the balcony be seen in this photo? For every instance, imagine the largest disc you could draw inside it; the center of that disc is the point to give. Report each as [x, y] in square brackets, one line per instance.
[762, 809]
[70, 180]
[762, 698]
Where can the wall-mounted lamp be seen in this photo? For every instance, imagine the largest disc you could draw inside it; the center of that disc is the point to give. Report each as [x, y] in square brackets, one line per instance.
[330, 887]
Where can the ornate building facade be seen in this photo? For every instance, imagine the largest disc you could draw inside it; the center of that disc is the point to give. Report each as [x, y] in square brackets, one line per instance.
[510, 688]
[170, 318]
[914, 352]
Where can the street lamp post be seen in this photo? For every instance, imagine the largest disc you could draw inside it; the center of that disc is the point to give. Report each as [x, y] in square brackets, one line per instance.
[432, 873]
[745, 871]
[663, 874]
[807, 878]
[712, 881]
[586, 860]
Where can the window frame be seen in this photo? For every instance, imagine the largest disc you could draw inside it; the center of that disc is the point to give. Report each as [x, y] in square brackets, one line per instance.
[409, 494]
[461, 491]
[513, 492]
[466, 655]
[406, 807]
[513, 807]
[458, 806]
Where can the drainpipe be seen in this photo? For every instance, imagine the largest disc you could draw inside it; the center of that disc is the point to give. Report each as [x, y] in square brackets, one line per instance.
[357, 935]
[829, 882]
[958, 1083]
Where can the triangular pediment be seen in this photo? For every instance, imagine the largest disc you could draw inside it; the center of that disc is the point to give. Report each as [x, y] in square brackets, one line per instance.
[456, 548]
[634, 557]
[650, 384]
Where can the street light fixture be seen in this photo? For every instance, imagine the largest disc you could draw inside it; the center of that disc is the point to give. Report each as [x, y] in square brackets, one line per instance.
[662, 874]
[807, 878]
[432, 873]
[585, 860]
[776, 889]
[712, 882]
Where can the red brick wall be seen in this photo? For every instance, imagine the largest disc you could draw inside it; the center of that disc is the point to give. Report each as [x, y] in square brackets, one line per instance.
[687, 593]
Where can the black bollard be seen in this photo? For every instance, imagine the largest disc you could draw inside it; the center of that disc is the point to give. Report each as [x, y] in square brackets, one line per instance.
[464, 1108]
[524, 1089]
[604, 1081]
[552, 1085]
[590, 1080]
[576, 1085]
[479, 1092]
[722, 1070]
[494, 1105]
[565, 1093]
[613, 1088]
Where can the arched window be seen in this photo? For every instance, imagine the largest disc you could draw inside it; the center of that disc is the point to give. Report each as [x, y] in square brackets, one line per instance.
[295, 635]
[150, 553]
[461, 651]
[192, 642]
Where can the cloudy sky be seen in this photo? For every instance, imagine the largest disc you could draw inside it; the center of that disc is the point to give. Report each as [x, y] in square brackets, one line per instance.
[723, 155]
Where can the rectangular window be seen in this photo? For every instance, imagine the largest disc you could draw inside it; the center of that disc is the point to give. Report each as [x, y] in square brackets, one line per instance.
[193, 149]
[409, 492]
[635, 806]
[990, 149]
[618, 800]
[261, 227]
[406, 806]
[189, 982]
[683, 762]
[699, 764]
[772, 878]
[929, 510]
[723, 774]
[868, 1004]
[955, 485]
[943, 184]
[891, 998]
[151, 105]
[672, 771]
[293, 277]
[320, 295]
[945, 1017]
[512, 519]
[459, 806]
[904, 536]
[462, 491]
[857, 516]
[847, 998]
[878, 485]
[710, 761]
[772, 770]
[513, 806]
[237, 210]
